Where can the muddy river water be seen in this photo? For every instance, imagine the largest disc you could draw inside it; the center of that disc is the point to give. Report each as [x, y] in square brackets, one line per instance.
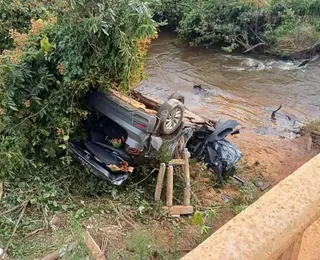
[243, 87]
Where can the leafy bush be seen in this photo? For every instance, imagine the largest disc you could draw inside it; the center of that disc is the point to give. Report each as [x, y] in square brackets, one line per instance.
[287, 39]
[171, 12]
[244, 24]
[16, 15]
[44, 77]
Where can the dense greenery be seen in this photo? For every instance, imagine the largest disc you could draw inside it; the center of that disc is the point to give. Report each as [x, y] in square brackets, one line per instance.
[53, 52]
[282, 27]
[53, 57]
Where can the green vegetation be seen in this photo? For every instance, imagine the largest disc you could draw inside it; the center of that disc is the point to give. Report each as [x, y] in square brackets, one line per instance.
[312, 126]
[56, 53]
[281, 27]
[204, 220]
[140, 245]
[248, 195]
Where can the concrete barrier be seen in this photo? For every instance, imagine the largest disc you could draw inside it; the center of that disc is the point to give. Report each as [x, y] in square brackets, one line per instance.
[272, 227]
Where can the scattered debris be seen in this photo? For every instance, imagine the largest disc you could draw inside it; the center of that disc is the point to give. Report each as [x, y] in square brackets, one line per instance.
[225, 198]
[273, 115]
[305, 62]
[58, 221]
[266, 186]
[258, 184]
[121, 216]
[34, 232]
[24, 206]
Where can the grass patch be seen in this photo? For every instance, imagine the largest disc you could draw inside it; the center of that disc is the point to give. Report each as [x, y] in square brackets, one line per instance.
[248, 195]
[140, 245]
[69, 239]
[41, 245]
[237, 209]
[289, 38]
[312, 126]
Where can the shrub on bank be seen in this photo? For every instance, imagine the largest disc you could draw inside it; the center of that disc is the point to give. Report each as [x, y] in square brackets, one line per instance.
[46, 72]
[281, 27]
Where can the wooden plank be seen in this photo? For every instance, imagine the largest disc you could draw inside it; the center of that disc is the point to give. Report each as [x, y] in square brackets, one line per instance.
[93, 247]
[130, 101]
[193, 117]
[159, 185]
[178, 162]
[151, 111]
[169, 185]
[179, 210]
[187, 193]
[149, 101]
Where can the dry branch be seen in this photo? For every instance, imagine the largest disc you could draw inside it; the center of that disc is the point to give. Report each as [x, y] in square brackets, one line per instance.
[253, 47]
[122, 217]
[14, 230]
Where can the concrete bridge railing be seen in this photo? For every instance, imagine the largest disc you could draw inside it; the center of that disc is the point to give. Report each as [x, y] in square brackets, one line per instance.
[273, 226]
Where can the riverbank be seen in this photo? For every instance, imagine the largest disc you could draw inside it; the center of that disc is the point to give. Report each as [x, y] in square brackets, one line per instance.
[152, 232]
[49, 64]
[241, 87]
[287, 29]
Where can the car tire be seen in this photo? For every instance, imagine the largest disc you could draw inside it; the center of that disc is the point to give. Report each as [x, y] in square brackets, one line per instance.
[171, 116]
[177, 96]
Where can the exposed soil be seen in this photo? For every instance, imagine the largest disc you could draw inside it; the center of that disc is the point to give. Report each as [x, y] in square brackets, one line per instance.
[279, 157]
[265, 159]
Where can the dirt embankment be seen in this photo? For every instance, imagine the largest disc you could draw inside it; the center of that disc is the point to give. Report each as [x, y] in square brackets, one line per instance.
[265, 159]
[278, 157]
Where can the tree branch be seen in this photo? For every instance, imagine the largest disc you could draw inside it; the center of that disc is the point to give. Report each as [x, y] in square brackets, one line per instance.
[253, 47]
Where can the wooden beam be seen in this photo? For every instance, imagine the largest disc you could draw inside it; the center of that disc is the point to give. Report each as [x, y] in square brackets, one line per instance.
[94, 249]
[179, 210]
[169, 185]
[178, 162]
[150, 102]
[128, 100]
[159, 185]
[187, 193]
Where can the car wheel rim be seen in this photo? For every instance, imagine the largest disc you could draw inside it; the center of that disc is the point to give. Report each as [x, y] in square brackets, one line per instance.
[173, 119]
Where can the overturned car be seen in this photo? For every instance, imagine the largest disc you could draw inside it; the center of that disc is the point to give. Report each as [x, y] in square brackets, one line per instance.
[124, 133]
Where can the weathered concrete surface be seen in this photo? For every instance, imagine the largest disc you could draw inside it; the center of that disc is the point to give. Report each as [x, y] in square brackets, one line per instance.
[310, 248]
[270, 225]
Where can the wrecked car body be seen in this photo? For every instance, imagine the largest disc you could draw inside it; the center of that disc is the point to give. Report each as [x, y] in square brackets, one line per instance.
[123, 134]
[215, 150]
